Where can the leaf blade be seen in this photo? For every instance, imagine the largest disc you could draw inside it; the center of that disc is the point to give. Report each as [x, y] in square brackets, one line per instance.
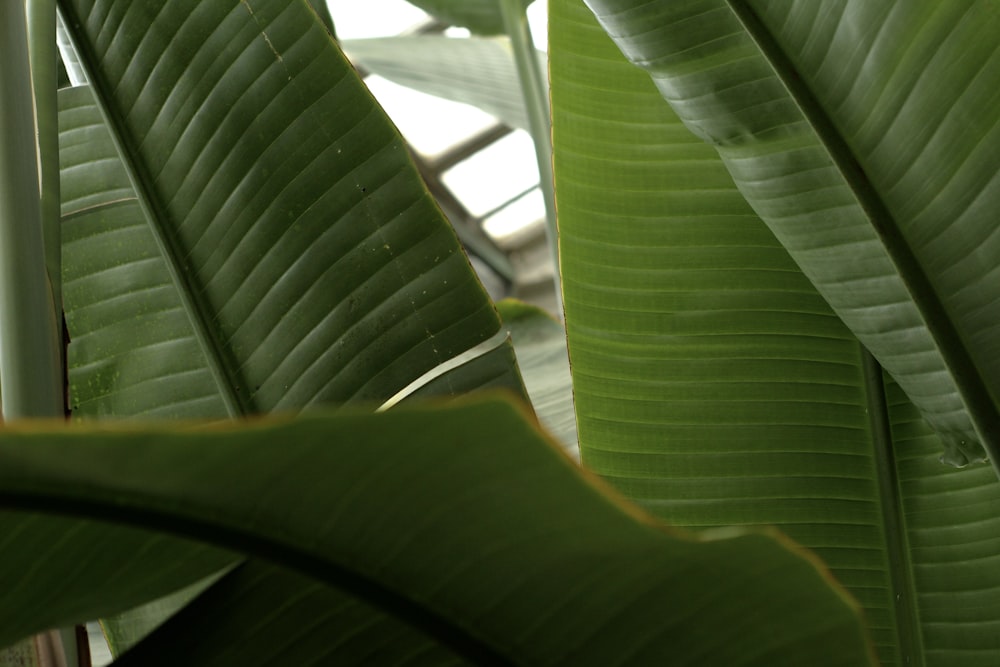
[297, 245]
[784, 140]
[546, 546]
[313, 261]
[540, 343]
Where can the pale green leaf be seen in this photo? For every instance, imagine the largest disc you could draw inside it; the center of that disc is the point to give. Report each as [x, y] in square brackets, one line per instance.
[714, 385]
[475, 71]
[277, 249]
[250, 236]
[865, 135]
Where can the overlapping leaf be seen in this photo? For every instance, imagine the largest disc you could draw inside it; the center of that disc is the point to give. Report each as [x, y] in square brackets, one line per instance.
[863, 134]
[282, 219]
[462, 522]
[57, 571]
[715, 386]
[250, 236]
[317, 623]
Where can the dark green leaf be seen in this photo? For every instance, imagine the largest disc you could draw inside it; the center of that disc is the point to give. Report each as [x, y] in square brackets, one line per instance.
[250, 618]
[323, 14]
[476, 71]
[462, 522]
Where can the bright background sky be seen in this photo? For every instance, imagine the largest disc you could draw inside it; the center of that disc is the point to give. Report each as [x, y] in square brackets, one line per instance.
[488, 179]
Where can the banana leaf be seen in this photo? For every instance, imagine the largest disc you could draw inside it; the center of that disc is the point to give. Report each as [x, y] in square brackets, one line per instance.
[463, 523]
[864, 134]
[244, 233]
[715, 386]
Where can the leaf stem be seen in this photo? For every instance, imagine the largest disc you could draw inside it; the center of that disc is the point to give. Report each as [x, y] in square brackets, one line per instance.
[535, 91]
[30, 367]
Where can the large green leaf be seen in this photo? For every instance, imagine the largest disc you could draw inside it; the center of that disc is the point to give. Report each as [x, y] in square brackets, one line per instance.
[482, 17]
[462, 522]
[265, 243]
[317, 624]
[715, 386]
[865, 135]
[475, 71]
[278, 249]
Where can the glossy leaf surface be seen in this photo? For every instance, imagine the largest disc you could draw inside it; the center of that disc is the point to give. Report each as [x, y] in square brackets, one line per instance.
[282, 221]
[540, 343]
[316, 624]
[714, 386]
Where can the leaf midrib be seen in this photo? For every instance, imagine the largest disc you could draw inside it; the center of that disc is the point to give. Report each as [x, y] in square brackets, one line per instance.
[198, 311]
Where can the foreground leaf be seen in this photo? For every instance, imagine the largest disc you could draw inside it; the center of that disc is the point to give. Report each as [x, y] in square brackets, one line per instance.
[462, 522]
[865, 135]
[714, 386]
[540, 343]
[290, 619]
[57, 571]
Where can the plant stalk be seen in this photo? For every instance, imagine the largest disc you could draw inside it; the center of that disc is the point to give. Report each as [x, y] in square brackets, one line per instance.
[30, 341]
[31, 351]
[44, 56]
[536, 99]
